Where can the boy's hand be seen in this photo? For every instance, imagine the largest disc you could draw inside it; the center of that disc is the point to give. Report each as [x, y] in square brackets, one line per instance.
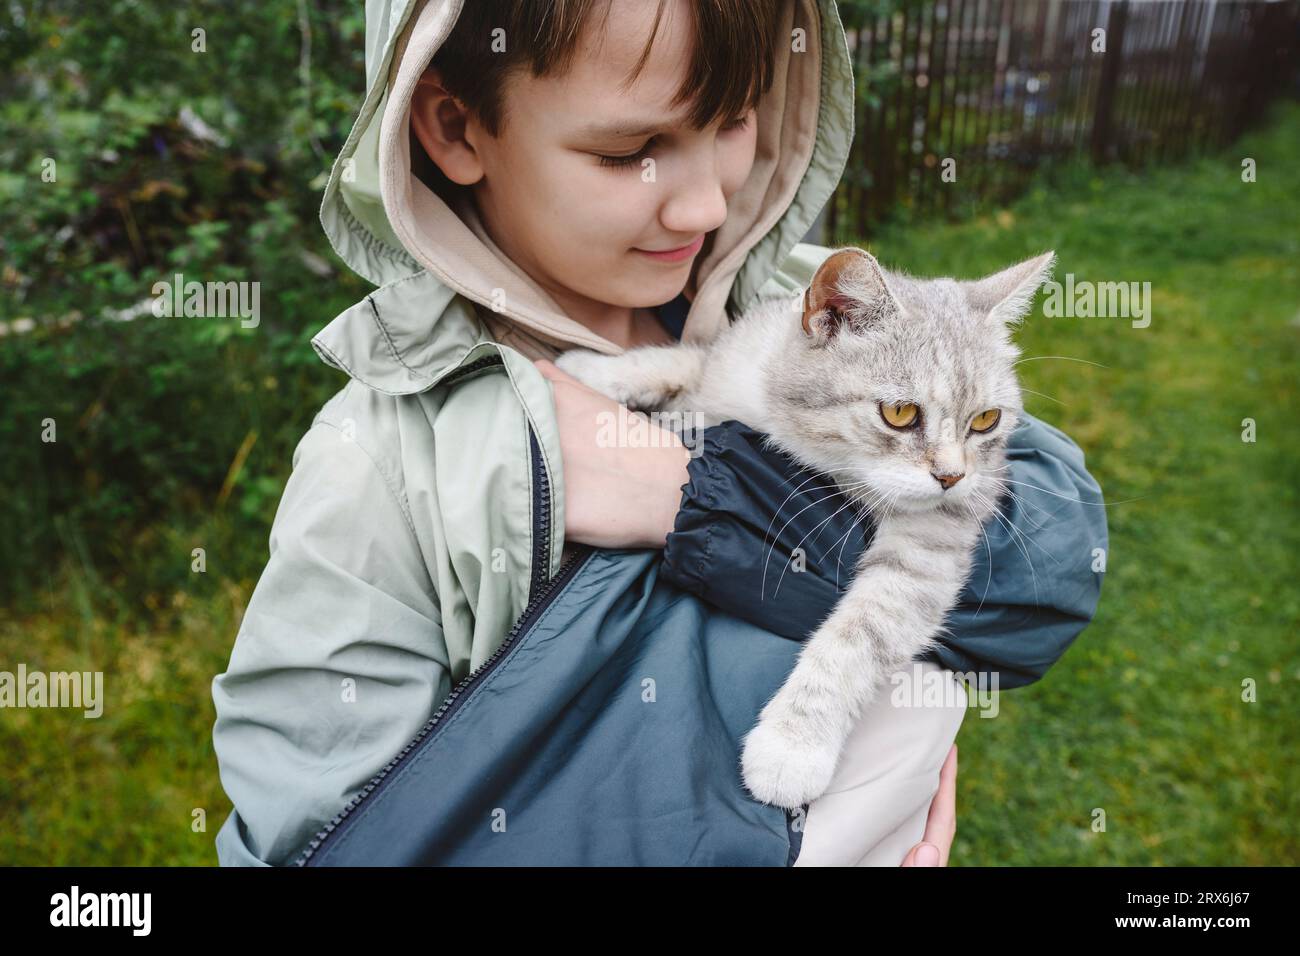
[617, 494]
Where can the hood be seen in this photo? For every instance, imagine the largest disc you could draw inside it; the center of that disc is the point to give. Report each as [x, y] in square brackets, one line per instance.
[386, 224]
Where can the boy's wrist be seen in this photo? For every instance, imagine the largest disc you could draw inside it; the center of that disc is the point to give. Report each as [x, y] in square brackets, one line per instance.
[667, 498]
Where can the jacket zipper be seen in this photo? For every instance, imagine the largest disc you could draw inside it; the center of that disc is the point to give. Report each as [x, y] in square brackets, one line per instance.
[541, 542]
[542, 591]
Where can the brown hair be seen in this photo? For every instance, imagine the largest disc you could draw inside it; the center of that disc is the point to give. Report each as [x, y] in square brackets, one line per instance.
[731, 65]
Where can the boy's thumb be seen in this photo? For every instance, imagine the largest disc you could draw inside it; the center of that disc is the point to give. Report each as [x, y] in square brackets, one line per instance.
[923, 854]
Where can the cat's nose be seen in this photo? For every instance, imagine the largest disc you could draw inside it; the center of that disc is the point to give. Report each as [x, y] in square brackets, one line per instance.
[948, 480]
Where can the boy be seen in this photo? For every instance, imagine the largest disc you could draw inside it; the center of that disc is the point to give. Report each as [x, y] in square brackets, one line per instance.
[525, 178]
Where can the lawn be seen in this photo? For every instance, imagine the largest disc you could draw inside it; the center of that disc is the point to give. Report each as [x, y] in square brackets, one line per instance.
[1143, 719]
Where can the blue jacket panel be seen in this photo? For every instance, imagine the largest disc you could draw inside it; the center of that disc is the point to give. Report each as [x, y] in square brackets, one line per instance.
[606, 733]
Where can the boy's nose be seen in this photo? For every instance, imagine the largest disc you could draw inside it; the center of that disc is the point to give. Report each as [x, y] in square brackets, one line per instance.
[698, 206]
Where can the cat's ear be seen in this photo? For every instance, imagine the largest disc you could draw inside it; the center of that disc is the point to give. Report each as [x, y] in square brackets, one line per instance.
[1005, 296]
[849, 292]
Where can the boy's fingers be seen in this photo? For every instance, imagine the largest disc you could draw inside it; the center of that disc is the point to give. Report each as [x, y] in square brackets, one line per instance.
[948, 785]
[923, 854]
[941, 824]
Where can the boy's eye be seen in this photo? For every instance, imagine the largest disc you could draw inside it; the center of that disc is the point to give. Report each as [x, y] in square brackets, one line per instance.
[633, 158]
[630, 160]
[621, 160]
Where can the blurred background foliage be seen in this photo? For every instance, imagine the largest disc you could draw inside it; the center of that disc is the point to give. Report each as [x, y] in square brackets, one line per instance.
[172, 152]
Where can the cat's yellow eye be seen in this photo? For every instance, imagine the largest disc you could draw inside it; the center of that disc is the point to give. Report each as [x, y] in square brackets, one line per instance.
[899, 416]
[986, 420]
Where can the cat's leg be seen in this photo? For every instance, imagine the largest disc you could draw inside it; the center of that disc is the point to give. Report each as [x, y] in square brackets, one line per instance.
[878, 802]
[905, 583]
[653, 377]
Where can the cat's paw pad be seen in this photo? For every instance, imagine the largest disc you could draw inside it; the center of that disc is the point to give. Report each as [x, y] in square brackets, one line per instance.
[782, 771]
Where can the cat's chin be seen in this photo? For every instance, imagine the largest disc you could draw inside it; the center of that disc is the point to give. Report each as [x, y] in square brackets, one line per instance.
[917, 505]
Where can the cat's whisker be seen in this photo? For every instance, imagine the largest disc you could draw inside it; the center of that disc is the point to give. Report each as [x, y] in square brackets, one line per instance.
[1026, 503]
[877, 503]
[1022, 535]
[1011, 530]
[844, 538]
[789, 497]
[839, 560]
[1030, 391]
[772, 545]
[1063, 358]
[1018, 538]
[1096, 504]
[819, 524]
[880, 504]
[1004, 489]
[1033, 575]
[988, 581]
[1020, 498]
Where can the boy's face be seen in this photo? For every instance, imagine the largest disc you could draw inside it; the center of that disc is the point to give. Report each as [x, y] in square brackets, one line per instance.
[580, 225]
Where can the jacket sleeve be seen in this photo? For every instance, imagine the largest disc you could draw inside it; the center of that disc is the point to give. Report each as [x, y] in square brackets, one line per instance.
[776, 545]
[338, 661]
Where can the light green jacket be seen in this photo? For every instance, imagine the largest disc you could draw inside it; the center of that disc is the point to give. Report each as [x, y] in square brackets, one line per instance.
[402, 549]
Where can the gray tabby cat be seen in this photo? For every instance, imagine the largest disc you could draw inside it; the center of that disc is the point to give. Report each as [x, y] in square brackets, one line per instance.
[903, 391]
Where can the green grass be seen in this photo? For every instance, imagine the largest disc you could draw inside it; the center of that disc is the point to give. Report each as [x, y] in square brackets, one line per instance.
[121, 789]
[1142, 718]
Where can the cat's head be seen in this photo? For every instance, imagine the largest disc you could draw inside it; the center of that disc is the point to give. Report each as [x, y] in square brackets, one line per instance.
[902, 388]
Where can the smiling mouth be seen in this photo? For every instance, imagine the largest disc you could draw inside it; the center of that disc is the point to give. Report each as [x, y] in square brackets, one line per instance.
[675, 255]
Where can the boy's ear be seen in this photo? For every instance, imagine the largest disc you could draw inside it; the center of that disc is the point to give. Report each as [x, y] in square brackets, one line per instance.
[439, 122]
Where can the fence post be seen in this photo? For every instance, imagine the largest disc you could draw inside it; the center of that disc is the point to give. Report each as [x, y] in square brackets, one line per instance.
[1267, 24]
[1103, 146]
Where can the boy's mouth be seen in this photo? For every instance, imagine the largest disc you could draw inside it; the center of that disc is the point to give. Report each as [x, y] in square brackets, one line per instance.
[675, 255]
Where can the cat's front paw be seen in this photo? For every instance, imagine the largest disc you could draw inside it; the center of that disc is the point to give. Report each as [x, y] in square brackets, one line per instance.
[784, 769]
[591, 369]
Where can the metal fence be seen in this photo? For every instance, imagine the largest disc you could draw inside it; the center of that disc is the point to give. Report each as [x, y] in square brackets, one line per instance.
[965, 98]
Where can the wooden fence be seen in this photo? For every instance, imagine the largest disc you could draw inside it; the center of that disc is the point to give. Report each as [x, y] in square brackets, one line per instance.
[989, 89]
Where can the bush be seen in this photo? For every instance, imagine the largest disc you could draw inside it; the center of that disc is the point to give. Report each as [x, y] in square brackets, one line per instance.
[131, 156]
